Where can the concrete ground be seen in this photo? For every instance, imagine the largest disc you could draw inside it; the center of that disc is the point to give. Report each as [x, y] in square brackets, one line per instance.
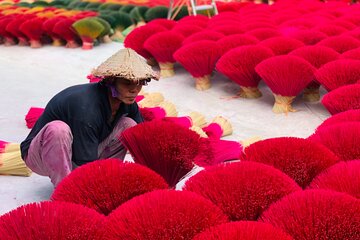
[30, 77]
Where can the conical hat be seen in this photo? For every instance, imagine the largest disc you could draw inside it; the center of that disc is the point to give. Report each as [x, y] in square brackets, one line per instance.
[127, 64]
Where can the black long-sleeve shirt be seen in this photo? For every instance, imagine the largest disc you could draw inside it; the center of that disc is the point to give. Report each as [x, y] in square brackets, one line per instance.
[86, 109]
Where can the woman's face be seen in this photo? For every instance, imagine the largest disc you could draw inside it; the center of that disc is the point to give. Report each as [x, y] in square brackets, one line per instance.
[127, 90]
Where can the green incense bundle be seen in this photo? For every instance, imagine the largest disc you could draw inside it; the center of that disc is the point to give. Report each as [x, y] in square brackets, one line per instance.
[156, 12]
[138, 14]
[88, 29]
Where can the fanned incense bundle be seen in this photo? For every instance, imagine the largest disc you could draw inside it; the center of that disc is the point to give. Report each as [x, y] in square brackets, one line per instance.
[163, 214]
[316, 214]
[301, 159]
[9, 39]
[11, 162]
[244, 230]
[243, 190]
[88, 29]
[167, 23]
[64, 29]
[308, 36]
[228, 29]
[122, 22]
[286, 76]
[340, 44]
[199, 59]
[218, 127]
[203, 35]
[338, 73]
[48, 26]
[51, 220]
[14, 28]
[342, 177]
[162, 46]
[243, 72]
[264, 33]
[282, 45]
[343, 139]
[351, 54]
[186, 29]
[165, 147]
[348, 116]
[331, 30]
[216, 151]
[136, 39]
[317, 56]
[342, 99]
[32, 29]
[233, 41]
[90, 184]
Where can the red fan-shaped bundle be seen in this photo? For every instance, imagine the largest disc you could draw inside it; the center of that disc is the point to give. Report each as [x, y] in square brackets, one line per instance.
[137, 37]
[162, 46]
[218, 127]
[243, 190]
[330, 29]
[9, 39]
[338, 73]
[48, 26]
[237, 40]
[297, 23]
[243, 72]
[281, 45]
[32, 29]
[228, 29]
[264, 33]
[214, 151]
[342, 99]
[14, 28]
[51, 220]
[106, 184]
[166, 23]
[182, 121]
[199, 59]
[165, 147]
[203, 35]
[186, 29]
[32, 116]
[343, 139]
[196, 20]
[244, 230]
[342, 177]
[286, 76]
[348, 116]
[343, 23]
[163, 214]
[340, 44]
[301, 159]
[316, 214]
[63, 28]
[351, 54]
[308, 36]
[317, 56]
[258, 24]
[164, 109]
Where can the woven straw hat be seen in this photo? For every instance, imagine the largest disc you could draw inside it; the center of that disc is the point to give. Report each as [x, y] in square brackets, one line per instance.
[127, 64]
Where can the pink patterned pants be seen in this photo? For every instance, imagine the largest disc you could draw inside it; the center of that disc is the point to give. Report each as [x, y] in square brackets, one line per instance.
[50, 151]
